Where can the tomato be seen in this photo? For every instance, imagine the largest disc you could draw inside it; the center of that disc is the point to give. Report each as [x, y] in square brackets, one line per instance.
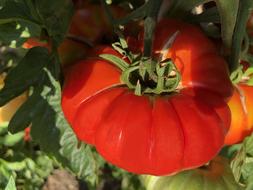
[241, 106]
[32, 42]
[153, 134]
[27, 136]
[217, 175]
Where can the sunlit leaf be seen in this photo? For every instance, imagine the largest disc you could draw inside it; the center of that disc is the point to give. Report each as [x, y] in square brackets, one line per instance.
[11, 184]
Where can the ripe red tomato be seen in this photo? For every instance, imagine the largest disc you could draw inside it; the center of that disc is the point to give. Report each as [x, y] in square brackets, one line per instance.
[153, 134]
[241, 106]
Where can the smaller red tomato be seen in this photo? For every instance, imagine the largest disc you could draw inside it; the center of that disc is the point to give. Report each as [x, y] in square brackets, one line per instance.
[241, 106]
[91, 22]
[33, 42]
[27, 136]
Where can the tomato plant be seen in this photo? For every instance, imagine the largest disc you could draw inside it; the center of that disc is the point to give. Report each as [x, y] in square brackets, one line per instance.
[155, 98]
[100, 109]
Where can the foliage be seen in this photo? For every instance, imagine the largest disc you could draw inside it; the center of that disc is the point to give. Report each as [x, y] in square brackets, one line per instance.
[22, 161]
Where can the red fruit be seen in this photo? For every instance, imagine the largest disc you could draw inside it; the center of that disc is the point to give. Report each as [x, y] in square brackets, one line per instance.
[153, 134]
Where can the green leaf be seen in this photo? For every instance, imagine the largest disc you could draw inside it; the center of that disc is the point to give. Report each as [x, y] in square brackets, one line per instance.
[43, 108]
[230, 151]
[25, 114]
[56, 16]
[25, 74]
[14, 10]
[11, 184]
[242, 164]
[52, 16]
[83, 161]
[11, 140]
[15, 34]
[17, 166]
[44, 128]
[244, 11]
[228, 14]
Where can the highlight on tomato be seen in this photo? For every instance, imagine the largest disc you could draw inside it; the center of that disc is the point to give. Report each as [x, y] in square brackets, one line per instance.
[241, 106]
[149, 121]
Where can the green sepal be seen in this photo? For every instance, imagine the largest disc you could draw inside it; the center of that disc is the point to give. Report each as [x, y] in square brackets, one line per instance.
[237, 75]
[249, 74]
[117, 61]
[137, 90]
[126, 74]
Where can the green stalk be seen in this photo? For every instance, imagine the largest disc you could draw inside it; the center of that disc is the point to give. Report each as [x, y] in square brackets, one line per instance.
[150, 24]
[239, 32]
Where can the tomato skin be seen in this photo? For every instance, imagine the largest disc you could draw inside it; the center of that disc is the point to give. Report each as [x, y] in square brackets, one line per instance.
[91, 22]
[33, 42]
[148, 134]
[241, 106]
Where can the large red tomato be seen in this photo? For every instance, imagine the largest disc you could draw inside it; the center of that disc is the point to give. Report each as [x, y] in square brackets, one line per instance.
[241, 106]
[153, 134]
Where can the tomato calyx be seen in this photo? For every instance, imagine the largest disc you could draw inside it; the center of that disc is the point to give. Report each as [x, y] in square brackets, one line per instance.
[164, 78]
[145, 75]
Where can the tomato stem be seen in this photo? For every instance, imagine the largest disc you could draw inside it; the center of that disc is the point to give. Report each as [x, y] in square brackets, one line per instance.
[150, 24]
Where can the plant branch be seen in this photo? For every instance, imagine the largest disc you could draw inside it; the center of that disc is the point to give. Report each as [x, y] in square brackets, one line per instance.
[239, 32]
[80, 40]
[150, 24]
